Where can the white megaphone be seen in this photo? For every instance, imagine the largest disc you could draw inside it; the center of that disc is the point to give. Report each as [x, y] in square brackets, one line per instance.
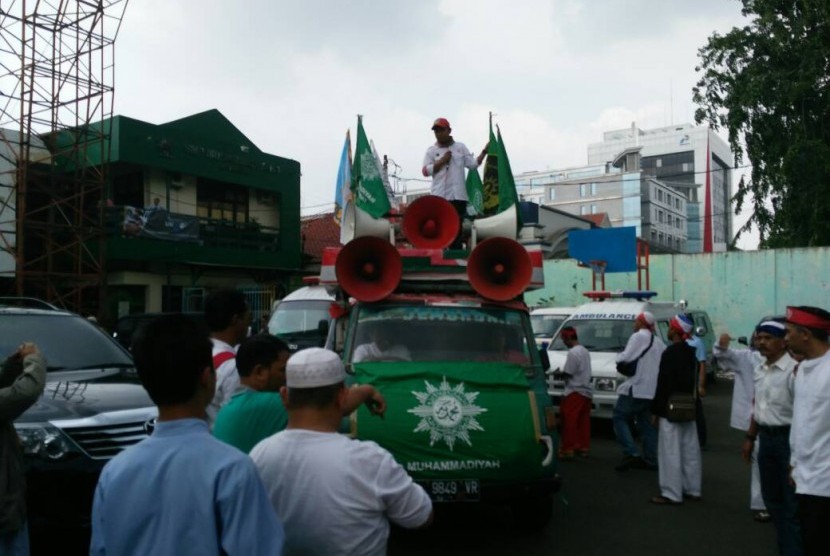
[359, 223]
[503, 224]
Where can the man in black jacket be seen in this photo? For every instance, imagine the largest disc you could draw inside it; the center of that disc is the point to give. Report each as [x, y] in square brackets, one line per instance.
[678, 450]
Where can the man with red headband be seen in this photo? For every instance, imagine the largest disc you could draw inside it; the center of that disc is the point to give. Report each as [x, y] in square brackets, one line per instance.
[772, 413]
[807, 336]
[635, 395]
[576, 403]
[678, 454]
[445, 161]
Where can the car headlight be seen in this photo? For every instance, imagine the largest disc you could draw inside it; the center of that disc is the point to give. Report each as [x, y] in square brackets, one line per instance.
[45, 441]
[605, 385]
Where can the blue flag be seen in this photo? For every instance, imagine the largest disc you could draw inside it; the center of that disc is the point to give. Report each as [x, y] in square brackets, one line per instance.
[342, 192]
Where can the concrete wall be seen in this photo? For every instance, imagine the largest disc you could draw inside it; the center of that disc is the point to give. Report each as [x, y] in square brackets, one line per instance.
[735, 288]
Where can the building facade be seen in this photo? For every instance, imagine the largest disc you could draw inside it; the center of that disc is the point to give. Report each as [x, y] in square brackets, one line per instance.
[688, 158]
[189, 206]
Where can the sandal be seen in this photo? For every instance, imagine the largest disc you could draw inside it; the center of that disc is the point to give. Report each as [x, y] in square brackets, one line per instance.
[663, 501]
[761, 516]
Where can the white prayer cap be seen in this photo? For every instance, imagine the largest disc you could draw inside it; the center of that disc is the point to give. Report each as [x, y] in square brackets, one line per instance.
[313, 368]
[647, 318]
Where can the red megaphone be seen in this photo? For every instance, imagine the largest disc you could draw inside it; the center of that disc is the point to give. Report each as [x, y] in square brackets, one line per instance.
[368, 268]
[430, 222]
[499, 268]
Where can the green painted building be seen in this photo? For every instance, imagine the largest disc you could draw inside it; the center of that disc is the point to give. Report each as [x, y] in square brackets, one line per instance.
[194, 205]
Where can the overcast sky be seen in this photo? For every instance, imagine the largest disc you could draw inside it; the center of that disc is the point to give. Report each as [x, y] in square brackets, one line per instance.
[292, 76]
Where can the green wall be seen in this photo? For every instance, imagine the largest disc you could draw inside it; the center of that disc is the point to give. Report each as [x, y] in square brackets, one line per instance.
[735, 288]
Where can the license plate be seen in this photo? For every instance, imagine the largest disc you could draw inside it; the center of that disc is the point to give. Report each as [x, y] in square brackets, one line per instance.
[457, 490]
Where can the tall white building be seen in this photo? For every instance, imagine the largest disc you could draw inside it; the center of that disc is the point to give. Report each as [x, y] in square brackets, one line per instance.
[687, 158]
[620, 189]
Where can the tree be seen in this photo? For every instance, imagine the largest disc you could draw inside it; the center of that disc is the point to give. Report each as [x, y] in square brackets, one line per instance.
[768, 85]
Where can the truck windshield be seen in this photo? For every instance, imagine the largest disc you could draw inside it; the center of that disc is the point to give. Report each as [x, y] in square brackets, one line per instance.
[443, 333]
[598, 335]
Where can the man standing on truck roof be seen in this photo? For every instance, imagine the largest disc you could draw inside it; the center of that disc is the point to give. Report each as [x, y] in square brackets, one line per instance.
[635, 395]
[336, 495]
[445, 162]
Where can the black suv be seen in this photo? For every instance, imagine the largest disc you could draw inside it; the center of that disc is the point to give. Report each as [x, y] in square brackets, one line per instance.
[93, 407]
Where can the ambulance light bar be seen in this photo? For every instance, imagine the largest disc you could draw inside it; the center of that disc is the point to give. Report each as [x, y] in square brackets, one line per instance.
[633, 294]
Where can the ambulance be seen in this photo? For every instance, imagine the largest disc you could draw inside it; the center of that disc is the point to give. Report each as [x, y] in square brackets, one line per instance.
[302, 319]
[546, 322]
[603, 326]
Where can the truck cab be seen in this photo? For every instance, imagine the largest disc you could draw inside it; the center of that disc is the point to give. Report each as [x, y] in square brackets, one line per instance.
[453, 353]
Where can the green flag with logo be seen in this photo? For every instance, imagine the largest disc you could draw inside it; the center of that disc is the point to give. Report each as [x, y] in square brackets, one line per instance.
[475, 193]
[490, 181]
[368, 189]
[499, 188]
[454, 420]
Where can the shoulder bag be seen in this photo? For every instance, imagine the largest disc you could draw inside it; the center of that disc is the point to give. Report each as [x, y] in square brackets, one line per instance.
[681, 405]
[628, 368]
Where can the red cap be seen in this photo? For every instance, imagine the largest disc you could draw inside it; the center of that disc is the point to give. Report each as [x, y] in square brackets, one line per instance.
[441, 122]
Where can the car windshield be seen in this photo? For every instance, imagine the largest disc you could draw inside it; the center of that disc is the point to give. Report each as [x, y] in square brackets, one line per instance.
[545, 326]
[446, 333]
[298, 317]
[68, 342]
[598, 335]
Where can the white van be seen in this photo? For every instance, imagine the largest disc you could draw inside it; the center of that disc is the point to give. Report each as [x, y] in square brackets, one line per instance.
[546, 322]
[302, 318]
[603, 327]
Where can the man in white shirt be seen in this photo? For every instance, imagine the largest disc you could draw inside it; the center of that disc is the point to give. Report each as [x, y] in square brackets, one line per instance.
[635, 395]
[381, 348]
[770, 426]
[334, 494]
[229, 319]
[807, 335]
[445, 161]
[576, 401]
[742, 363]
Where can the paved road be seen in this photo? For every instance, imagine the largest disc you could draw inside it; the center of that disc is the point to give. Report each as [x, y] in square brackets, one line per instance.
[604, 512]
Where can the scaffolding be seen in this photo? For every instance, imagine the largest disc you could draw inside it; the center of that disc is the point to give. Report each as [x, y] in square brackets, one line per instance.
[56, 97]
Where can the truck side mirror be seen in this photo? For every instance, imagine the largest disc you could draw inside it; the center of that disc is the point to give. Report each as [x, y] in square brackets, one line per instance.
[323, 327]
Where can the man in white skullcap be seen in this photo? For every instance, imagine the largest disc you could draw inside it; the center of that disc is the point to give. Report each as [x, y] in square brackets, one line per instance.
[635, 394]
[335, 495]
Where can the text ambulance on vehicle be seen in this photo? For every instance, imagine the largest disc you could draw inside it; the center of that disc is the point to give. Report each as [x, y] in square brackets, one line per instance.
[603, 326]
[447, 340]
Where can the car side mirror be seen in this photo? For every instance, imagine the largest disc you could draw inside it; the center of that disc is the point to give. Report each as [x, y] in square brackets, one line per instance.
[743, 340]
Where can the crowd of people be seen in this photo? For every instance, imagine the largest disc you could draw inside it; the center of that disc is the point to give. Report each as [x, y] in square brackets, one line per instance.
[781, 400]
[247, 457]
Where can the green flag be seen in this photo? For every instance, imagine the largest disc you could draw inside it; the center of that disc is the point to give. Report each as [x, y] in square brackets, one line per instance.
[475, 193]
[368, 189]
[490, 182]
[507, 187]
[454, 419]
